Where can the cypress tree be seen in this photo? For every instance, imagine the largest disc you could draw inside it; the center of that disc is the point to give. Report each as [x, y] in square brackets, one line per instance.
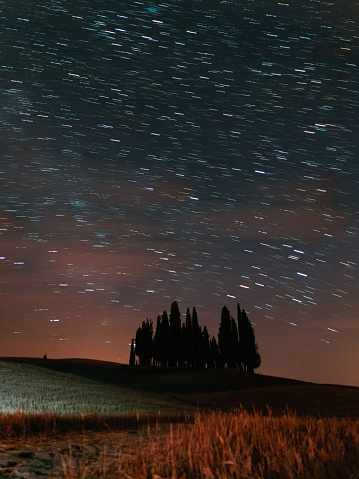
[196, 339]
[139, 346]
[250, 357]
[206, 353]
[182, 355]
[215, 359]
[234, 347]
[225, 337]
[157, 353]
[132, 354]
[175, 334]
[147, 342]
[165, 339]
[188, 339]
[178, 344]
[144, 343]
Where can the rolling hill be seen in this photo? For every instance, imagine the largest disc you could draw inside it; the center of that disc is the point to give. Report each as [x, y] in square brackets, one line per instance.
[73, 385]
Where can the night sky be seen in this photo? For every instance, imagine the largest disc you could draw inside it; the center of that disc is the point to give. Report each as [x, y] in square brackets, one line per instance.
[198, 151]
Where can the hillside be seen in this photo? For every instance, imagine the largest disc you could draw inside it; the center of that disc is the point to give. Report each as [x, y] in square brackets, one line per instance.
[29, 388]
[170, 389]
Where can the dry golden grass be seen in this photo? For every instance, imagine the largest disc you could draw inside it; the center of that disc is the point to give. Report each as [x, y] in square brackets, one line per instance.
[178, 443]
[238, 445]
[28, 426]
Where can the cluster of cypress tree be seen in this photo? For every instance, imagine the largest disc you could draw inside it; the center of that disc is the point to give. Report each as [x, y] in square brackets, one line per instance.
[177, 344]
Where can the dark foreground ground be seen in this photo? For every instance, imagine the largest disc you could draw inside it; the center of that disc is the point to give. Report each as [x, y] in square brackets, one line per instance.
[311, 433]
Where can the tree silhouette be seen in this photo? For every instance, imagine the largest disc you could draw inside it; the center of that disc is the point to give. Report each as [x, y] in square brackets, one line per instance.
[215, 357]
[206, 351]
[144, 343]
[177, 345]
[139, 349]
[234, 356]
[175, 335]
[161, 342]
[157, 351]
[132, 354]
[250, 357]
[188, 340]
[225, 337]
[196, 339]
[183, 357]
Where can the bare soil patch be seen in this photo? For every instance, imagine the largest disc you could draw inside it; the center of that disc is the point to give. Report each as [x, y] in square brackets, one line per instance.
[64, 456]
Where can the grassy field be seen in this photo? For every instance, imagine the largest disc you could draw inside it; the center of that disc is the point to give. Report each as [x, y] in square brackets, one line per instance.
[190, 424]
[26, 388]
[120, 388]
[247, 446]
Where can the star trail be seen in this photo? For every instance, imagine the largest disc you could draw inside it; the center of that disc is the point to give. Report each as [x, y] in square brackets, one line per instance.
[204, 152]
